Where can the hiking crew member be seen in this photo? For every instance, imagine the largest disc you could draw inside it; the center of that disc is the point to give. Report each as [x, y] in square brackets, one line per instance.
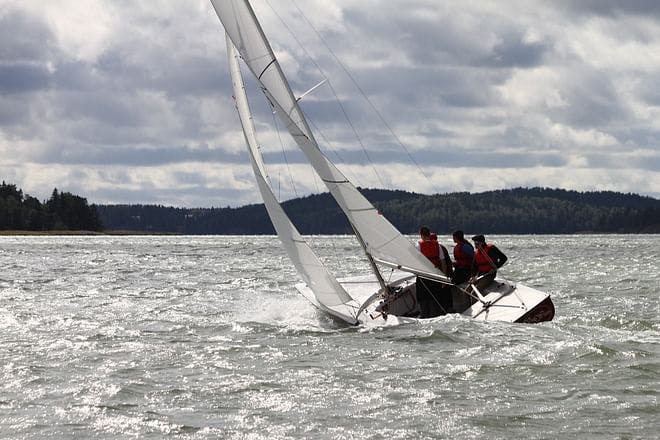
[433, 250]
[487, 259]
[433, 297]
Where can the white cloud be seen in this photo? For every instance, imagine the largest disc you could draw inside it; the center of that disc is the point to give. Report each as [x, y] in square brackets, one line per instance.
[535, 88]
[82, 29]
[130, 101]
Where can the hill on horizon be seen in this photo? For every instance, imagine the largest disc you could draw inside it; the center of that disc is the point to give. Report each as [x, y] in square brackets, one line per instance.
[510, 211]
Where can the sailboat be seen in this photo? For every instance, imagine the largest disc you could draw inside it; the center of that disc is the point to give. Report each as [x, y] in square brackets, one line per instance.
[389, 291]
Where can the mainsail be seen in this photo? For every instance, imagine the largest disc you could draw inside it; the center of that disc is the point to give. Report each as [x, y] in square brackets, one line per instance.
[326, 288]
[380, 238]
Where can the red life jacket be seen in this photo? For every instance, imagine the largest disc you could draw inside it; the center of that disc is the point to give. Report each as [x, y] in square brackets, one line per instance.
[462, 259]
[431, 250]
[484, 262]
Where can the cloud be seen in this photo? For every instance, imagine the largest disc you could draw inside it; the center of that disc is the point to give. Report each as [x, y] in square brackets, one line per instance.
[25, 37]
[131, 101]
[137, 156]
[613, 8]
[21, 78]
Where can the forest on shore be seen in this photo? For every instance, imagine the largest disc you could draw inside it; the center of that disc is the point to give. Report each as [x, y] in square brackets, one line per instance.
[63, 211]
[511, 211]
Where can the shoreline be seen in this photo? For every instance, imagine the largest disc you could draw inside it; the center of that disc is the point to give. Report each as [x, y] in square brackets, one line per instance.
[11, 232]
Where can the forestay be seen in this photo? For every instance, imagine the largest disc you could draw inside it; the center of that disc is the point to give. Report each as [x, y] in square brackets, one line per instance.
[381, 239]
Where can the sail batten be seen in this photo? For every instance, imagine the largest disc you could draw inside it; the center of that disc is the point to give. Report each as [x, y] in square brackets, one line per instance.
[337, 182]
[363, 209]
[266, 68]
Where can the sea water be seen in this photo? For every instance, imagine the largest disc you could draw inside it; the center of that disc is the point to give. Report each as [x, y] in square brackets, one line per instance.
[205, 337]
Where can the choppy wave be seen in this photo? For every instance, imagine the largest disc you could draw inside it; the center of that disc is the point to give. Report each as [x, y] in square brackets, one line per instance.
[205, 337]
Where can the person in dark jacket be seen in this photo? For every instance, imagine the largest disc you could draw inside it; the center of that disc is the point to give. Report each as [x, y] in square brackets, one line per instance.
[487, 259]
[463, 258]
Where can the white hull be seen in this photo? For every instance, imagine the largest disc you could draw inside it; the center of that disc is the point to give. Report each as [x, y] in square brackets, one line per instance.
[501, 301]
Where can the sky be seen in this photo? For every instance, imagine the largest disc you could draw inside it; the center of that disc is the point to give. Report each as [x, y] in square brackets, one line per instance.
[129, 101]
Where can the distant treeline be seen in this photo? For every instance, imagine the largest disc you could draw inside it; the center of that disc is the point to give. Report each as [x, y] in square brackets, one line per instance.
[63, 211]
[515, 211]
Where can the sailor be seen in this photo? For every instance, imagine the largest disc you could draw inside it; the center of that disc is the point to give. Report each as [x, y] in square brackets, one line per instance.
[463, 258]
[487, 259]
[433, 250]
[433, 297]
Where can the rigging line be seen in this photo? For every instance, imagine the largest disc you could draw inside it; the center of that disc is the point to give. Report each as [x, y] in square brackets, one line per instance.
[332, 89]
[389, 279]
[430, 293]
[519, 298]
[286, 161]
[369, 101]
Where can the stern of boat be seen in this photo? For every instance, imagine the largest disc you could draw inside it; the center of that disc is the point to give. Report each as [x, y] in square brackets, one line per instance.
[512, 302]
[543, 311]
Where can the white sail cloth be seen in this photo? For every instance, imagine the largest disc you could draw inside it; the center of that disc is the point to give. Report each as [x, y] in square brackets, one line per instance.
[325, 286]
[381, 239]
